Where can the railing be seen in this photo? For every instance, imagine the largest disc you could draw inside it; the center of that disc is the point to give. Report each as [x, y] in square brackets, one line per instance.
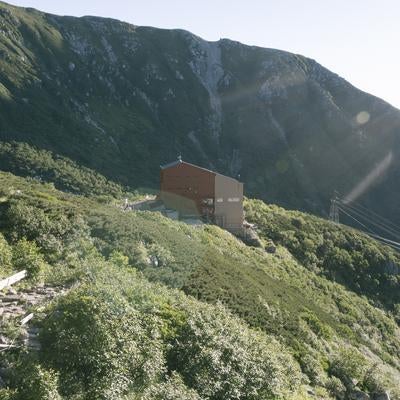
[6, 283]
[12, 279]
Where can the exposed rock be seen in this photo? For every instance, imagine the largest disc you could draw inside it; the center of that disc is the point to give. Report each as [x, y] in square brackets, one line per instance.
[12, 298]
[28, 336]
[310, 390]
[270, 248]
[381, 396]
[153, 261]
[359, 395]
[251, 238]
[11, 290]
[3, 340]
[207, 66]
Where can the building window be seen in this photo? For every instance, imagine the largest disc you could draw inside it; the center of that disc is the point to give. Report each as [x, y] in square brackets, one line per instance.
[209, 201]
[233, 199]
[219, 200]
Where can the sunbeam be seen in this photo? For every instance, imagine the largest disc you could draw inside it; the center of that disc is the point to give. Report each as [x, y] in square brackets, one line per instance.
[370, 179]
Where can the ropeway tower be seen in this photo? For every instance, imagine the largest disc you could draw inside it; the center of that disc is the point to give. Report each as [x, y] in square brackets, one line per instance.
[334, 210]
[368, 221]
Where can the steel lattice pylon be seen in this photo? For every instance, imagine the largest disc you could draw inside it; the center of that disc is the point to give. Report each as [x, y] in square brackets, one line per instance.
[334, 210]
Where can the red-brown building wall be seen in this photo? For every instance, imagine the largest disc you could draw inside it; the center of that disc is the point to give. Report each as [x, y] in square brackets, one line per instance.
[184, 187]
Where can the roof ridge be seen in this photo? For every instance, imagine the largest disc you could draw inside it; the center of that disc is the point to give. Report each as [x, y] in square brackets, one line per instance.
[180, 161]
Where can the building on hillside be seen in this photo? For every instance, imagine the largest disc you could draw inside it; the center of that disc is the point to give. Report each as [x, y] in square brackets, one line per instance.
[199, 192]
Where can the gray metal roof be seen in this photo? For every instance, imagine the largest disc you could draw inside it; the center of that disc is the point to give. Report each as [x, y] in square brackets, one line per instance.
[171, 164]
[179, 161]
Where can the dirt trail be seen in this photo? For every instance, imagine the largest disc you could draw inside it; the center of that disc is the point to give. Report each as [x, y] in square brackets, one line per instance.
[15, 304]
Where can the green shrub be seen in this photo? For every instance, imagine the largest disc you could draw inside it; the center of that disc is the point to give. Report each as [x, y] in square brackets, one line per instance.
[159, 255]
[118, 334]
[5, 257]
[396, 313]
[119, 259]
[348, 364]
[173, 389]
[221, 359]
[58, 233]
[26, 255]
[336, 251]
[7, 394]
[319, 328]
[311, 366]
[37, 383]
[336, 387]
[101, 345]
[375, 380]
[23, 159]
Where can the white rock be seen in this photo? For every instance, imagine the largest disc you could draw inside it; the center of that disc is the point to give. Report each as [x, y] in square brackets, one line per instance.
[179, 76]
[207, 66]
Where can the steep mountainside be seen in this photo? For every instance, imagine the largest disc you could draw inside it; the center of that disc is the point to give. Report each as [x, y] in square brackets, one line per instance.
[122, 99]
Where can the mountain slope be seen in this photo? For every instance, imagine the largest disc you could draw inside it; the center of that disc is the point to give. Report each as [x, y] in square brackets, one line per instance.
[123, 99]
[338, 333]
[24, 160]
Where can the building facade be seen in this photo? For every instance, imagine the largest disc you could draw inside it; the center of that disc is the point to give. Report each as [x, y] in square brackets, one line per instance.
[199, 192]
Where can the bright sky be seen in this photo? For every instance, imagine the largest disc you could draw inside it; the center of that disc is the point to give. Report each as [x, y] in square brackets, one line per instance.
[358, 39]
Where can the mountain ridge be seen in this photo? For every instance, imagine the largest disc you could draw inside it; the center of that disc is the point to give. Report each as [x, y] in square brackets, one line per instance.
[123, 99]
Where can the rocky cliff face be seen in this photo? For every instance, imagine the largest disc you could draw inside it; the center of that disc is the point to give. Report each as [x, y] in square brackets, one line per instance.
[123, 99]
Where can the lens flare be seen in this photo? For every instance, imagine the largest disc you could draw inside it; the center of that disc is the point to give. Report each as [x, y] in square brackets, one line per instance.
[370, 179]
[362, 117]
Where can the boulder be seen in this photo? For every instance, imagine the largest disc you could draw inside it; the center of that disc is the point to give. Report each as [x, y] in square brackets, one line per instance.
[359, 395]
[381, 396]
[11, 291]
[251, 238]
[3, 340]
[270, 249]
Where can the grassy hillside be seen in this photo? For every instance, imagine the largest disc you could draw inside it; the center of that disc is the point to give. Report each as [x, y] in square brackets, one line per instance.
[334, 251]
[266, 314]
[25, 160]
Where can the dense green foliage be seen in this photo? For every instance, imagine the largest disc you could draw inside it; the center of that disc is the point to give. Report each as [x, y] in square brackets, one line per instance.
[174, 388]
[337, 252]
[213, 359]
[117, 334]
[23, 255]
[24, 160]
[122, 345]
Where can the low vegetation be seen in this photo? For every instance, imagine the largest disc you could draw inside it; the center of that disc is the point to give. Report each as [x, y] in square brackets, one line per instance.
[25, 160]
[157, 309]
[116, 334]
[341, 254]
